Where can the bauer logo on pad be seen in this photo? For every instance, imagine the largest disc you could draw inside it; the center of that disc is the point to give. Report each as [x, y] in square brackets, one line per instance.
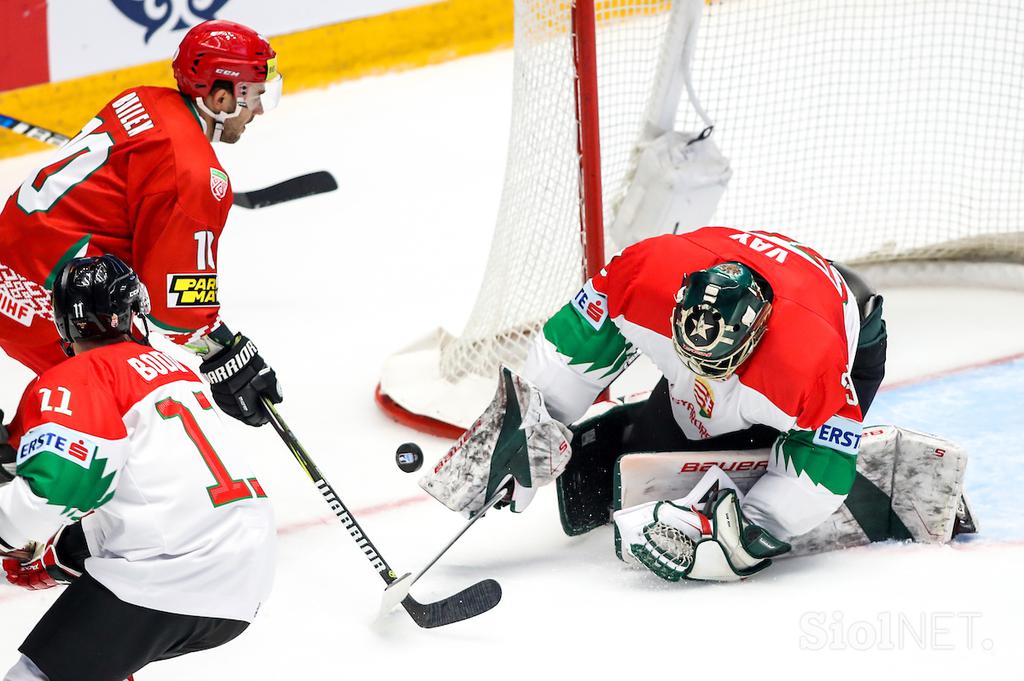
[591, 305]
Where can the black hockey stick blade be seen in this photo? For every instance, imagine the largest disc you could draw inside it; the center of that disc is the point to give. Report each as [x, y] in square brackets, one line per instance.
[470, 602]
[319, 182]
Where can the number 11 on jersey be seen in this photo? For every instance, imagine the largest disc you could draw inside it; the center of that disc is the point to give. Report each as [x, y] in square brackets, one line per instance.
[227, 489]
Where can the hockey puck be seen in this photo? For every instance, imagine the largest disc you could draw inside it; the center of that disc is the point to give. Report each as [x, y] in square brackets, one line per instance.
[409, 457]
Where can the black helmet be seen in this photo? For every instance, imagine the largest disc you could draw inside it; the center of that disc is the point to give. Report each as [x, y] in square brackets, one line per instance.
[720, 315]
[97, 297]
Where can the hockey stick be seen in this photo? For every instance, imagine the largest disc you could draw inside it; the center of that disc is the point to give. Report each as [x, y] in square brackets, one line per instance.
[319, 182]
[470, 602]
[299, 187]
[399, 589]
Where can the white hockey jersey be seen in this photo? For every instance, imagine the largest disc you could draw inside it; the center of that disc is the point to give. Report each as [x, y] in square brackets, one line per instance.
[126, 439]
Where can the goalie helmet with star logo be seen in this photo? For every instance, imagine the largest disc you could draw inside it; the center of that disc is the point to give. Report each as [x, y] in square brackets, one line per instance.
[721, 313]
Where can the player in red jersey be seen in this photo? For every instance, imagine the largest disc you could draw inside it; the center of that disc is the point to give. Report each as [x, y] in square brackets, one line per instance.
[142, 181]
[163, 533]
[761, 342]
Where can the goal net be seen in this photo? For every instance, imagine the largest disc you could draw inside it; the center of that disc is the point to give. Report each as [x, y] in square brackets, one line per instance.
[875, 131]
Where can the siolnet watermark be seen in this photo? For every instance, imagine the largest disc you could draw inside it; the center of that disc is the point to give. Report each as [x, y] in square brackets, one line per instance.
[836, 630]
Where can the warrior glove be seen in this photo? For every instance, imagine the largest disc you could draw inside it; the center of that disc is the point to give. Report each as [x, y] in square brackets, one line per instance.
[239, 379]
[61, 560]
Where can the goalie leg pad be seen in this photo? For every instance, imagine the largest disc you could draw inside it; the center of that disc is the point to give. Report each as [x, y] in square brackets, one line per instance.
[514, 437]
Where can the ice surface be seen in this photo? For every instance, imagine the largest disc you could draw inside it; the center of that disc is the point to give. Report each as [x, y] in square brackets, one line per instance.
[330, 285]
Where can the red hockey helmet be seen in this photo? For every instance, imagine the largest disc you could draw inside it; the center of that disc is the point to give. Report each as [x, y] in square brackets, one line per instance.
[223, 50]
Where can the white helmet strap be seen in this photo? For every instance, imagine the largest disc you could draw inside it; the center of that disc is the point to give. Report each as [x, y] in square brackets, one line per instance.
[218, 118]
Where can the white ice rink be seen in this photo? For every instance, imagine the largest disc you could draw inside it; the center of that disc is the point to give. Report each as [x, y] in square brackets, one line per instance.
[329, 286]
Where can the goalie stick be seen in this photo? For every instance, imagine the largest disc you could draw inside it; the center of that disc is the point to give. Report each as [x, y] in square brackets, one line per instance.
[470, 602]
[319, 182]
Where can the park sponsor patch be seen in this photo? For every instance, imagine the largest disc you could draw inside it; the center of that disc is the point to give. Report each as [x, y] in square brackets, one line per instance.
[192, 290]
[56, 439]
[592, 305]
[218, 184]
[842, 435]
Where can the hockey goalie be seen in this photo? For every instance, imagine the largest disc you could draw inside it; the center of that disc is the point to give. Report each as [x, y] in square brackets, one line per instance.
[751, 445]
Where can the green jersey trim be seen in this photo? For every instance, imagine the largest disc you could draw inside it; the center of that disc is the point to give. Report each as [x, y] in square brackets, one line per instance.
[833, 470]
[604, 349]
[60, 482]
[77, 250]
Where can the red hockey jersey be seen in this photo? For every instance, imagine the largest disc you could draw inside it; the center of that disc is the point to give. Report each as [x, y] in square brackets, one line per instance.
[139, 181]
[797, 380]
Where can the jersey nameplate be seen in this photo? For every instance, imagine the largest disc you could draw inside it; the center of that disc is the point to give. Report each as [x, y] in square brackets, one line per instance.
[840, 434]
[591, 305]
[56, 439]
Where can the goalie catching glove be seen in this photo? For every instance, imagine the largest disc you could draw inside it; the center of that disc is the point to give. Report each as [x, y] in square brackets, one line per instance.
[677, 540]
[515, 443]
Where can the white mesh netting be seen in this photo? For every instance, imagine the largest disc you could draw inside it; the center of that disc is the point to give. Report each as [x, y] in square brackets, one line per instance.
[869, 129]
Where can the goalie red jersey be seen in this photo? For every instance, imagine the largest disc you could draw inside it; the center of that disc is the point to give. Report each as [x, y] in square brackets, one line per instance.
[140, 181]
[797, 381]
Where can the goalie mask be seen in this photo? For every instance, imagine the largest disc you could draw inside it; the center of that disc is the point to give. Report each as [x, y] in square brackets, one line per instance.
[95, 298]
[720, 316]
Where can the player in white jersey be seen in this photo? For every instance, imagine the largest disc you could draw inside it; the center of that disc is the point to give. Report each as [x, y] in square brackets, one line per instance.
[163, 532]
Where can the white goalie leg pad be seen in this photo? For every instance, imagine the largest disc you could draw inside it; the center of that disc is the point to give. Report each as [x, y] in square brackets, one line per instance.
[514, 436]
[679, 181]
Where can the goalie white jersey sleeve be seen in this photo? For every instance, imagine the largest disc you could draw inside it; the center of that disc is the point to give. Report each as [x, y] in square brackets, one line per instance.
[126, 438]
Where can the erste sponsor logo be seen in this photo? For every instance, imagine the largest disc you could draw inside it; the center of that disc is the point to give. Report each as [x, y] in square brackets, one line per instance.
[840, 434]
[59, 440]
[592, 305]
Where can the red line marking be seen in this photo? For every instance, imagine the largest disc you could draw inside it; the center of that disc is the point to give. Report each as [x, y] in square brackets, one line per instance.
[292, 528]
[955, 370]
[301, 525]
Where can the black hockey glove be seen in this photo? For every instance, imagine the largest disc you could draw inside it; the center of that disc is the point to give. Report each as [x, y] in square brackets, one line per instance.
[7, 453]
[238, 378]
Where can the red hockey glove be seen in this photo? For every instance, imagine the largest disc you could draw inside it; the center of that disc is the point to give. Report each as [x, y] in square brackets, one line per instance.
[50, 564]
